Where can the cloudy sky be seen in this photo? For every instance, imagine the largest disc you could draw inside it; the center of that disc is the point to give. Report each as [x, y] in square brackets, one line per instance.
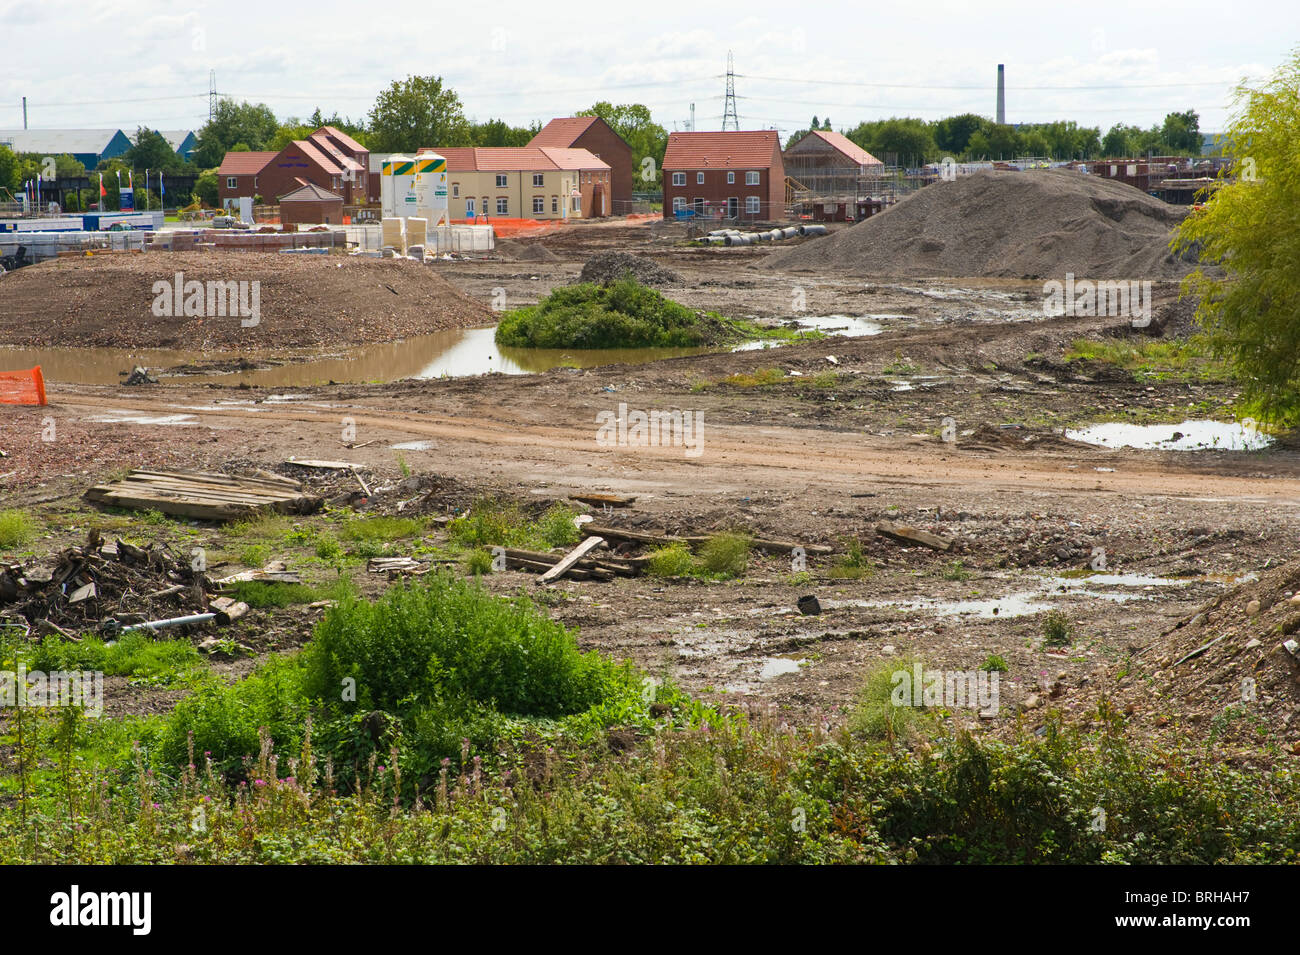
[127, 63]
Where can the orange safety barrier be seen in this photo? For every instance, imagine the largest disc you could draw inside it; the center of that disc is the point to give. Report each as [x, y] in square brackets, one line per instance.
[22, 387]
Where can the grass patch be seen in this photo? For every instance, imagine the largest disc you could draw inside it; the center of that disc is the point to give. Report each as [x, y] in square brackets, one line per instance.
[852, 564]
[16, 529]
[994, 664]
[955, 571]
[261, 594]
[134, 654]
[721, 557]
[1155, 359]
[878, 717]
[255, 555]
[381, 528]
[759, 378]
[501, 524]
[1056, 629]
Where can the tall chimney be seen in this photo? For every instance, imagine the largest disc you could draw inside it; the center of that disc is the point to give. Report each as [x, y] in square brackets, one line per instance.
[1002, 96]
[24, 112]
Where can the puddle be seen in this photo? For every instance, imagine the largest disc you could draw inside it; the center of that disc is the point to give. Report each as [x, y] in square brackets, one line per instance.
[774, 667]
[1012, 605]
[129, 417]
[845, 326]
[412, 446]
[1188, 436]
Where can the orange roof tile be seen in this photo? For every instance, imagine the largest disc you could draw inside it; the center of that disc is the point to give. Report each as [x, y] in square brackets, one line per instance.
[244, 163]
[750, 149]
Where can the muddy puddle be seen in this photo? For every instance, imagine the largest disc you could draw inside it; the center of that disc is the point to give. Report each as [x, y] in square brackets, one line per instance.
[454, 353]
[1188, 436]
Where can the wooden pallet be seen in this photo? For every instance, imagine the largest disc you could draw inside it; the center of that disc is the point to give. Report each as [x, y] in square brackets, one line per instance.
[204, 495]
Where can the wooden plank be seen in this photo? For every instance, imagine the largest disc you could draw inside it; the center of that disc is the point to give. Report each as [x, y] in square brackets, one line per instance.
[198, 493]
[638, 537]
[326, 465]
[213, 477]
[905, 534]
[599, 500]
[771, 546]
[175, 480]
[571, 558]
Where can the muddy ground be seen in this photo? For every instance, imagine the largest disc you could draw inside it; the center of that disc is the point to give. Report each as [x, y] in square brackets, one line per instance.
[818, 457]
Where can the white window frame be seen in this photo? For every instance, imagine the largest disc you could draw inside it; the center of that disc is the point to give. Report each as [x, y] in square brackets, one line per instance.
[731, 178]
[555, 205]
[699, 178]
[502, 181]
[753, 205]
[751, 177]
[539, 179]
[679, 179]
[576, 204]
[455, 190]
[232, 182]
[539, 205]
[503, 206]
[679, 202]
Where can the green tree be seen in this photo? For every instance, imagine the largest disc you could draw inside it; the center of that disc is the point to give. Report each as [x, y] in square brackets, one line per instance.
[952, 134]
[1251, 308]
[206, 188]
[417, 112]
[9, 169]
[288, 133]
[254, 125]
[898, 140]
[497, 132]
[1181, 133]
[647, 138]
[151, 151]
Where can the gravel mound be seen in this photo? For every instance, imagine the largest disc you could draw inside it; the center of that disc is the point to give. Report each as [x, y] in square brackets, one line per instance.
[1035, 225]
[612, 266]
[301, 301]
[535, 252]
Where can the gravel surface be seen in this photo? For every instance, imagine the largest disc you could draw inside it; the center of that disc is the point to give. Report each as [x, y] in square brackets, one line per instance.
[612, 266]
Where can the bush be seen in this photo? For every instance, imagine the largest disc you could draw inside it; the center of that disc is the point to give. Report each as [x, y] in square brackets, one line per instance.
[1056, 629]
[447, 639]
[675, 560]
[726, 554]
[622, 314]
[133, 654]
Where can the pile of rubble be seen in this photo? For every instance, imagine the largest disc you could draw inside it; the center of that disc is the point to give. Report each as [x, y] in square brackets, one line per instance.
[612, 266]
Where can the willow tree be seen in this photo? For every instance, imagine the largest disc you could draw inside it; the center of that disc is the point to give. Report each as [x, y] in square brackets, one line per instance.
[1247, 241]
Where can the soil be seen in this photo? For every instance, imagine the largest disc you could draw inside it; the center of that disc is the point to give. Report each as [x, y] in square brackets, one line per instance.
[1011, 224]
[303, 300]
[819, 456]
[612, 266]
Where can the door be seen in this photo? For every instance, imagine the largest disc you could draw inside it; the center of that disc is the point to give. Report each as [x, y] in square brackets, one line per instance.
[733, 207]
[469, 208]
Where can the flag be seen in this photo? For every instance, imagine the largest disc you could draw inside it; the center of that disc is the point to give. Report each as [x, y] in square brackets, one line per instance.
[130, 180]
[102, 191]
[162, 190]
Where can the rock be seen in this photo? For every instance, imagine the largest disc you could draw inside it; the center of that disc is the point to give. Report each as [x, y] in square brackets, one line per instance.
[1031, 702]
[1295, 601]
[140, 376]
[1252, 643]
[809, 605]
[1252, 608]
[887, 649]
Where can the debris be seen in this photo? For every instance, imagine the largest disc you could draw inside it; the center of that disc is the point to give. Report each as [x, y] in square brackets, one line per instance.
[608, 267]
[905, 534]
[809, 605]
[139, 376]
[227, 609]
[324, 465]
[170, 622]
[395, 565]
[571, 558]
[200, 494]
[82, 593]
[600, 500]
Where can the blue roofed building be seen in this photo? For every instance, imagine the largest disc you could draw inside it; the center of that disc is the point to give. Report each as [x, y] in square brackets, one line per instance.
[87, 146]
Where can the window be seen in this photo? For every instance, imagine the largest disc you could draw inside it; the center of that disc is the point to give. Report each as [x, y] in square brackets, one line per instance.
[679, 179]
[555, 205]
[751, 178]
[577, 204]
[679, 203]
[455, 190]
[503, 206]
[731, 178]
[539, 205]
[751, 205]
[254, 182]
[699, 178]
[501, 180]
[232, 182]
[539, 179]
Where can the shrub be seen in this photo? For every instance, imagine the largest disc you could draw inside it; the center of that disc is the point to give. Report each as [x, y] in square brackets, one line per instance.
[556, 526]
[1056, 629]
[726, 554]
[675, 560]
[622, 314]
[479, 562]
[877, 717]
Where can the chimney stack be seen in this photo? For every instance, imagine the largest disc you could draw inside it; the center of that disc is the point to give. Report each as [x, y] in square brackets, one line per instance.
[1002, 96]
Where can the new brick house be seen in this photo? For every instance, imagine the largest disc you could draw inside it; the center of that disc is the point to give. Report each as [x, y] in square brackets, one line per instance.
[327, 158]
[528, 182]
[599, 138]
[725, 175]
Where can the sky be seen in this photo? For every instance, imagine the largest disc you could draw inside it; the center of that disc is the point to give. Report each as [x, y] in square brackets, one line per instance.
[130, 63]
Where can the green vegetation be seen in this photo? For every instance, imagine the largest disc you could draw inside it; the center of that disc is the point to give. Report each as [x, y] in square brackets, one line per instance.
[852, 564]
[1152, 359]
[622, 314]
[878, 718]
[994, 663]
[16, 529]
[956, 571]
[723, 556]
[1056, 628]
[1244, 239]
[133, 654]
[260, 594]
[479, 562]
[381, 528]
[496, 524]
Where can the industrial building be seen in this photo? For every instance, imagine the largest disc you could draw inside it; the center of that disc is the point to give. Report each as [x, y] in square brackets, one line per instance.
[599, 138]
[88, 146]
[736, 175]
[528, 182]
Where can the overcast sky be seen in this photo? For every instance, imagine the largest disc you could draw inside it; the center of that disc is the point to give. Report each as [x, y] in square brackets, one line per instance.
[93, 63]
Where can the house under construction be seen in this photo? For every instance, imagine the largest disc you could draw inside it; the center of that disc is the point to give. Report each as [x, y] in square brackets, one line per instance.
[830, 178]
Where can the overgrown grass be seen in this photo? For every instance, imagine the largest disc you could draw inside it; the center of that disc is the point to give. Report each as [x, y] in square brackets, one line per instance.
[1149, 358]
[381, 528]
[500, 524]
[853, 563]
[1056, 628]
[261, 594]
[877, 717]
[16, 529]
[723, 556]
[133, 654]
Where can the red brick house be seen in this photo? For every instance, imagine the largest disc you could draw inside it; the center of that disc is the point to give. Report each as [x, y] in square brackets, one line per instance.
[731, 175]
[597, 137]
[239, 175]
[328, 158]
[311, 205]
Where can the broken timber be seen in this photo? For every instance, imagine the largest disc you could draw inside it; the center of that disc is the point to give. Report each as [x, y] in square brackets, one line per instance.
[600, 500]
[903, 534]
[664, 540]
[572, 557]
[202, 495]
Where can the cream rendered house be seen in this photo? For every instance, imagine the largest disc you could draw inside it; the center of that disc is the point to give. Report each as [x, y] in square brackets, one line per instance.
[526, 182]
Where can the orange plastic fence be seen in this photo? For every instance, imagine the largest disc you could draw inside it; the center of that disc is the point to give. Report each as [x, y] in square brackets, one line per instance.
[22, 387]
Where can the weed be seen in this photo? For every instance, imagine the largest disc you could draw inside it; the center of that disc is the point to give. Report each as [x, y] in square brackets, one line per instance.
[255, 555]
[16, 529]
[674, 560]
[1056, 629]
[381, 528]
[956, 571]
[852, 564]
[726, 554]
[479, 562]
[876, 715]
[994, 664]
